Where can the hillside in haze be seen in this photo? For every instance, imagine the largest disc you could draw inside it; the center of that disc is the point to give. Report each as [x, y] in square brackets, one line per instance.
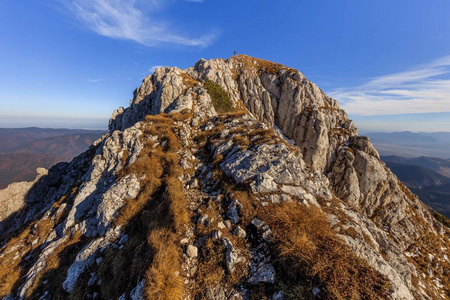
[410, 144]
[427, 177]
[23, 150]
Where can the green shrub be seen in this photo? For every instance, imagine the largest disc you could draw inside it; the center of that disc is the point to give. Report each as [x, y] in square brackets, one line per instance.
[220, 98]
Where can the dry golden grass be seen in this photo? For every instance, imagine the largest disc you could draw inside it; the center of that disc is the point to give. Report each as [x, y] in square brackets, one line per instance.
[163, 277]
[351, 232]
[210, 271]
[57, 264]
[177, 199]
[188, 81]
[159, 119]
[27, 241]
[311, 254]
[255, 64]
[9, 263]
[159, 212]
[241, 140]
[439, 266]
[327, 107]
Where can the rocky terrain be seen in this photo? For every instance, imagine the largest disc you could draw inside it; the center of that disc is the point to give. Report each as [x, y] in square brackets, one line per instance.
[232, 179]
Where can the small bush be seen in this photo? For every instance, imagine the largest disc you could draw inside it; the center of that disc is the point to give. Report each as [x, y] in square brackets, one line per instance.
[220, 98]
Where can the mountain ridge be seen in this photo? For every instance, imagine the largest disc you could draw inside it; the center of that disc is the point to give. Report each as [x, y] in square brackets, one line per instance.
[226, 207]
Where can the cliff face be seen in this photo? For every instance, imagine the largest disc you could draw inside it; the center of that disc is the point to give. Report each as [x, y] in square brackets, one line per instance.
[184, 199]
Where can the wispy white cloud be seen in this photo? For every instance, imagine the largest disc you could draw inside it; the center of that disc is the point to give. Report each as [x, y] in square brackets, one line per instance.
[153, 69]
[132, 20]
[95, 80]
[422, 89]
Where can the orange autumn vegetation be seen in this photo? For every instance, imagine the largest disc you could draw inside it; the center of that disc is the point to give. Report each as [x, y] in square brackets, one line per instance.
[312, 255]
[162, 202]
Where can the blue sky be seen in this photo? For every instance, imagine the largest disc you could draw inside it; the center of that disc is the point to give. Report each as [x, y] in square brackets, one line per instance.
[71, 63]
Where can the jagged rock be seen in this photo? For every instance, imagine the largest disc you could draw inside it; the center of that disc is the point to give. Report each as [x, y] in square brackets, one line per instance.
[216, 293]
[123, 239]
[240, 232]
[216, 234]
[234, 166]
[192, 251]
[12, 198]
[258, 222]
[93, 279]
[204, 220]
[233, 211]
[278, 295]
[86, 258]
[138, 292]
[264, 274]
[221, 225]
[232, 256]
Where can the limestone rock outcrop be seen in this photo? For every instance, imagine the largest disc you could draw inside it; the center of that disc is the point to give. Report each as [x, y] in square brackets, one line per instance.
[182, 201]
[13, 197]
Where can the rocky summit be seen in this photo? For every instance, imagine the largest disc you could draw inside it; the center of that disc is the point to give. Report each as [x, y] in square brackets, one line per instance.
[232, 179]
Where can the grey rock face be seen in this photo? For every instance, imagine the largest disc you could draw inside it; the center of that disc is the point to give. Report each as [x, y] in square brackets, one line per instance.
[12, 198]
[192, 251]
[265, 274]
[329, 167]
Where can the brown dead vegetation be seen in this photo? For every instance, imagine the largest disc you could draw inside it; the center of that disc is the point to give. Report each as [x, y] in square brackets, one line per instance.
[252, 64]
[163, 279]
[312, 255]
[56, 267]
[23, 247]
[155, 220]
[188, 81]
[431, 259]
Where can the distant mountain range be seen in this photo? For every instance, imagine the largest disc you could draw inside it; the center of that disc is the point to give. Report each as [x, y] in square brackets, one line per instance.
[410, 144]
[421, 161]
[427, 177]
[22, 150]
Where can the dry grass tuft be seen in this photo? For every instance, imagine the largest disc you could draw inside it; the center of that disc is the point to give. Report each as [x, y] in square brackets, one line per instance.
[312, 255]
[188, 81]
[56, 267]
[210, 268]
[159, 119]
[431, 259]
[249, 63]
[163, 278]
[177, 198]
[10, 271]
[159, 215]
[405, 190]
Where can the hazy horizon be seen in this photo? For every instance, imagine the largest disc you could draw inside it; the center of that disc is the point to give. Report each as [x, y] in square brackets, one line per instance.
[70, 64]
